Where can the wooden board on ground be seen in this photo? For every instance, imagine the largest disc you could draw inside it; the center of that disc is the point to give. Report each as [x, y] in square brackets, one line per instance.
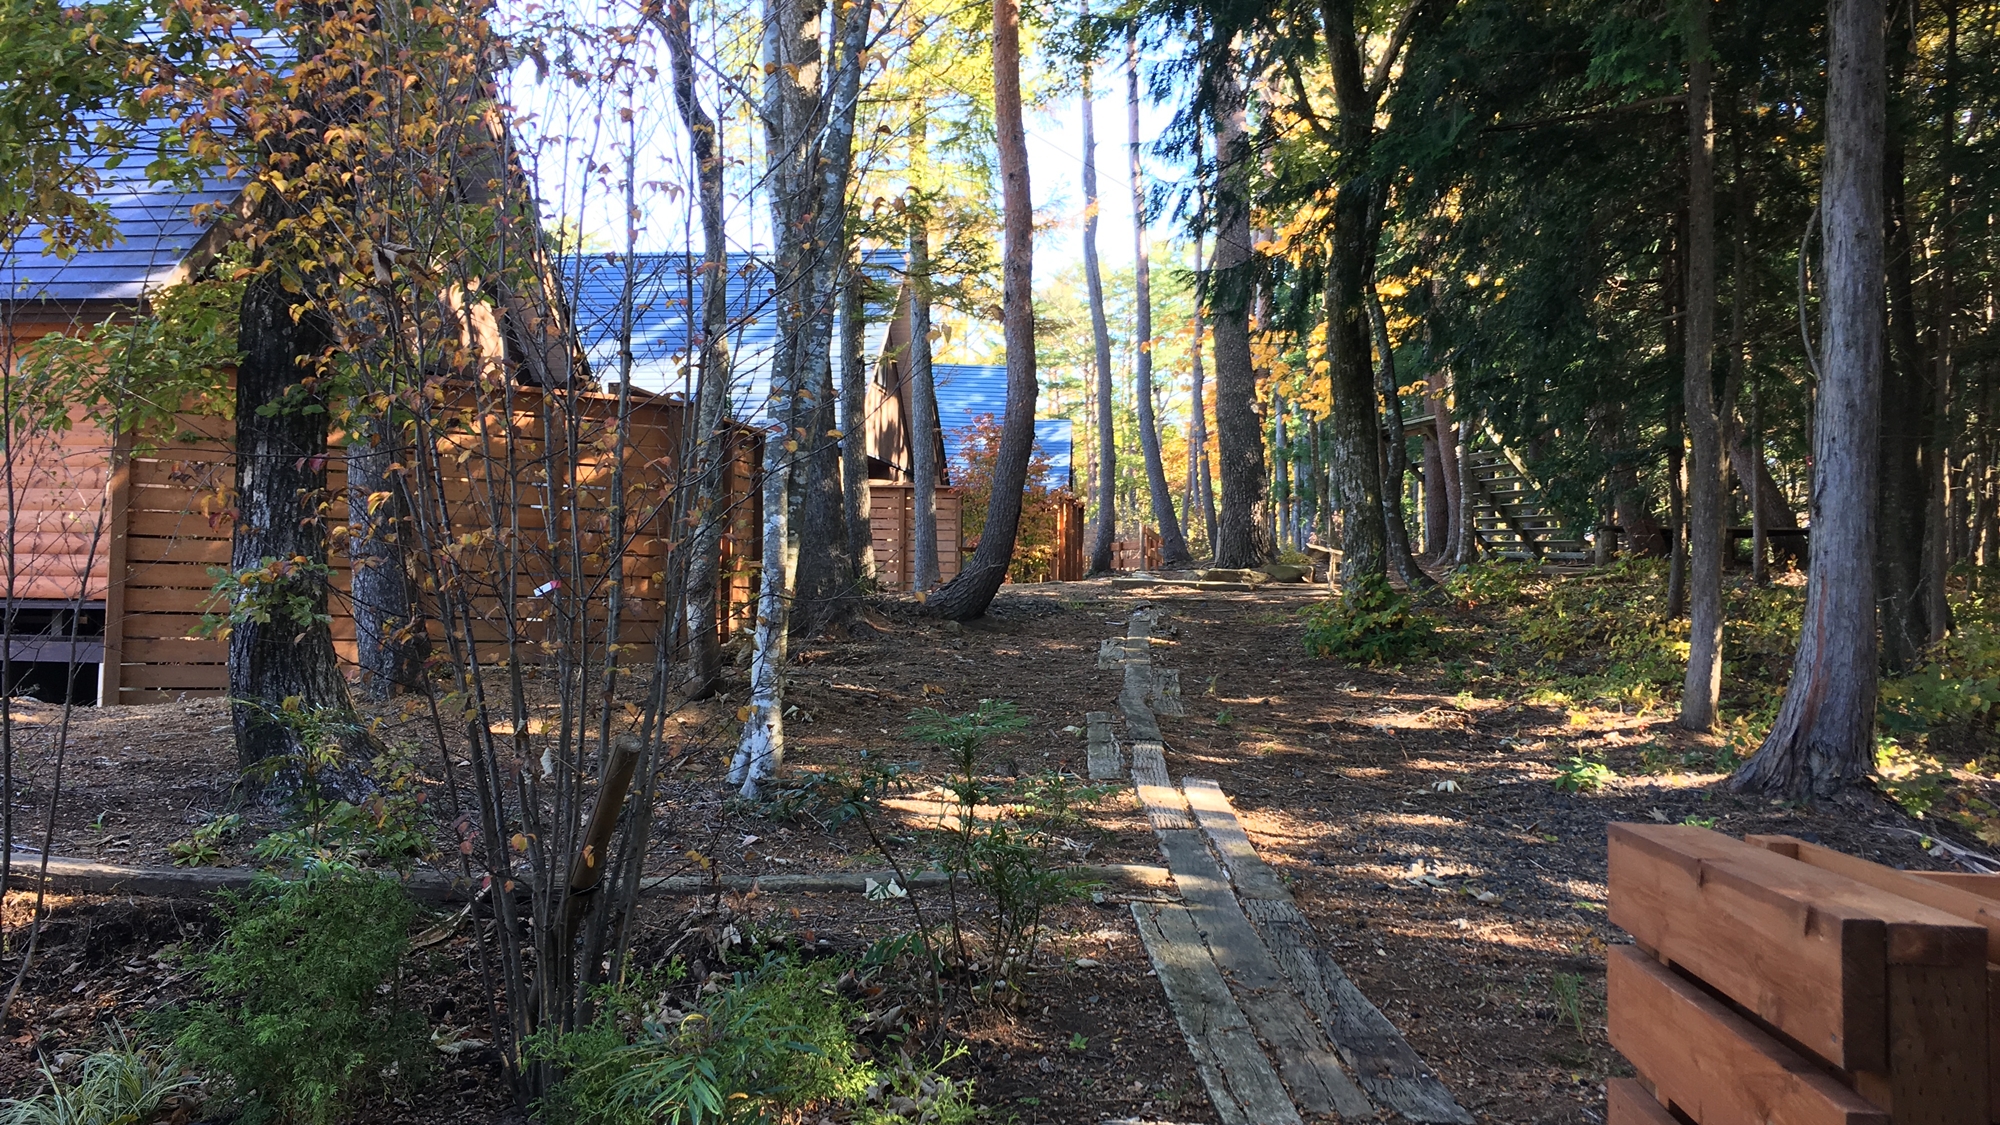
[1384, 1063]
[1165, 693]
[1165, 807]
[1101, 748]
[1310, 1067]
[1804, 949]
[1241, 1084]
[1711, 1063]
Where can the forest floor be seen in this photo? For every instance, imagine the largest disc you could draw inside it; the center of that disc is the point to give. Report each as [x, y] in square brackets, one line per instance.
[1414, 811]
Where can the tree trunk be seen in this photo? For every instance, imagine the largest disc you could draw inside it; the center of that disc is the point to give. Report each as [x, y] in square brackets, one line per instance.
[1103, 532]
[968, 595]
[1202, 478]
[1677, 565]
[1239, 535]
[1905, 497]
[1396, 448]
[923, 406]
[809, 134]
[854, 420]
[1356, 421]
[1465, 527]
[281, 458]
[827, 595]
[389, 645]
[1173, 544]
[712, 367]
[1823, 740]
[1437, 502]
[1702, 691]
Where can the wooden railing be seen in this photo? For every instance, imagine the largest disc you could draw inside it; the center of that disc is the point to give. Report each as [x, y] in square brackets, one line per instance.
[1772, 980]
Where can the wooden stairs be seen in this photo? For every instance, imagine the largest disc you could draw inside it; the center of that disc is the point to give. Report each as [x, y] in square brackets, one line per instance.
[1510, 517]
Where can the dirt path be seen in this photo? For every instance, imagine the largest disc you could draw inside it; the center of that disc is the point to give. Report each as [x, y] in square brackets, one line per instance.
[1418, 828]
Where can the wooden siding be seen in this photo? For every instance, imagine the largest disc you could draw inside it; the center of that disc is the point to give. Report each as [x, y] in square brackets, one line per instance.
[892, 522]
[166, 513]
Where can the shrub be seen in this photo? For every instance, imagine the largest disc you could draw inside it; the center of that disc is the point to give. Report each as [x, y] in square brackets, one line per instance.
[123, 1084]
[292, 1014]
[1372, 623]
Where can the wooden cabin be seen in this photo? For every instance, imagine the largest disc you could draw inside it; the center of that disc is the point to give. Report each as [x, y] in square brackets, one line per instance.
[113, 549]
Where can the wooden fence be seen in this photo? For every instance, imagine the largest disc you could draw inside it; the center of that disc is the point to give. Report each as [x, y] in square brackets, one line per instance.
[1067, 566]
[1776, 981]
[892, 517]
[166, 520]
[1142, 553]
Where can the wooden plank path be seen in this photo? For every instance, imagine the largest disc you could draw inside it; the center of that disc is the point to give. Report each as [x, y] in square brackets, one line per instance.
[1239, 961]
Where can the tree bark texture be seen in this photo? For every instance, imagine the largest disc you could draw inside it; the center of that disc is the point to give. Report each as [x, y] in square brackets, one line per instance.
[1240, 540]
[389, 644]
[1356, 421]
[281, 456]
[1702, 690]
[854, 418]
[1201, 481]
[1396, 459]
[1823, 740]
[1906, 450]
[1437, 502]
[1105, 529]
[1173, 544]
[809, 136]
[923, 409]
[711, 370]
[968, 595]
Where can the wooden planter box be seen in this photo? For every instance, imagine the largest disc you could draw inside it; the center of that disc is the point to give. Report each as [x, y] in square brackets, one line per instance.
[1776, 981]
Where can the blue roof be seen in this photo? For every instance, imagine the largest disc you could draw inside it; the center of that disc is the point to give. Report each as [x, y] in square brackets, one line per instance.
[967, 391]
[666, 316]
[157, 228]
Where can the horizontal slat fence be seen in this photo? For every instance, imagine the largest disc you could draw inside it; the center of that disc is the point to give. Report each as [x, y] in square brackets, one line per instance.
[892, 520]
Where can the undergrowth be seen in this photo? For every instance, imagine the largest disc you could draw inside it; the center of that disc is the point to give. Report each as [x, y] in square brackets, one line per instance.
[300, 1011]
[775, 1042]
[124, 1083]
[1372, 623]
[1603, 637]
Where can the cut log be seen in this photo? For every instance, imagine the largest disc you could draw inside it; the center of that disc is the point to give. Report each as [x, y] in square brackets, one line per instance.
[1928, 1008]
[1804, 949]
[1712, 1064]
[1626, 1102]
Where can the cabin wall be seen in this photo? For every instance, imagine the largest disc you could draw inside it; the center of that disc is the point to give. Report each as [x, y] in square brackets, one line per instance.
[162, 516]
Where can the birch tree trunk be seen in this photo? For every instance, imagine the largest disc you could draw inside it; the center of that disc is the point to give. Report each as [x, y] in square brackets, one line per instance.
[1173, 544]
[1702, 690]
[712, 367]
[968, 595]
[810, 134]
[1823, 740]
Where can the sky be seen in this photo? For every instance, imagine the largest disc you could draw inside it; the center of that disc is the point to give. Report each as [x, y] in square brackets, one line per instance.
[572, 128]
